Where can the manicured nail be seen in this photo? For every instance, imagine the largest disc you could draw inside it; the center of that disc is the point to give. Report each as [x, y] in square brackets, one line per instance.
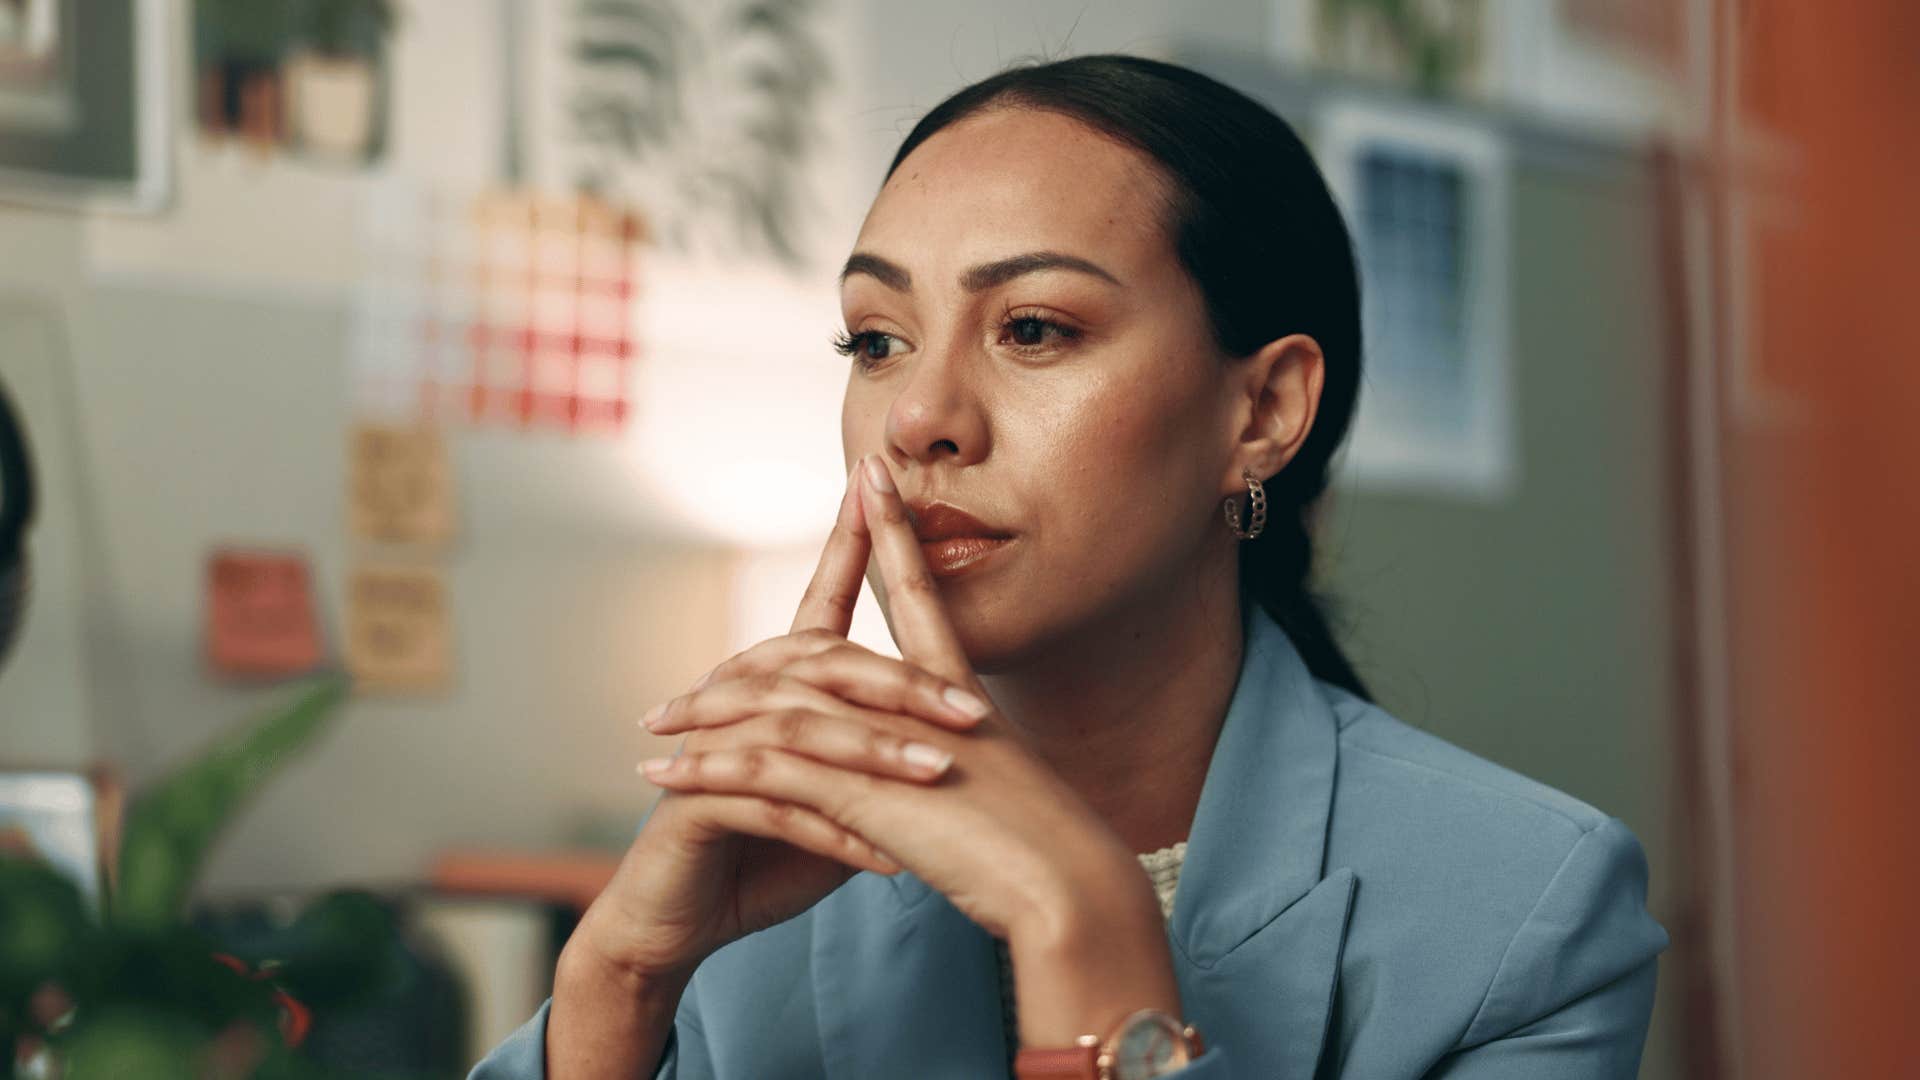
[969, 705]
[656, 766]
[877, 474]
[929, 759]
[652, 719]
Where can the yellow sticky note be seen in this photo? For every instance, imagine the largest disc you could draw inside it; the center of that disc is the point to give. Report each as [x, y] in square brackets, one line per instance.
[399, 628]
[400, 485]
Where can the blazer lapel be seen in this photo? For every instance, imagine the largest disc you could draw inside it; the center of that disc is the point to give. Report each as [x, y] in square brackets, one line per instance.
[1269, 1001]
[904, 985]
[1258, 924]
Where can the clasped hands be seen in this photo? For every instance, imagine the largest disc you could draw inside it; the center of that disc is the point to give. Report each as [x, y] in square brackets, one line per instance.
[881, 764]
[798, 769]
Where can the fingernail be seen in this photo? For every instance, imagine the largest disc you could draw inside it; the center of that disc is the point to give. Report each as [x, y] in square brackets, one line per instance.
[877, 474]
[652, 719]
[656, 766]
[929, 758]
[970, 705]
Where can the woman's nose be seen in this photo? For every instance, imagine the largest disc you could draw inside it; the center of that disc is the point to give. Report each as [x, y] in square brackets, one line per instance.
[936, 415]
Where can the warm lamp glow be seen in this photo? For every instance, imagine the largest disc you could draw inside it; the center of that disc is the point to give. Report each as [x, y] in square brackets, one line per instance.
[739, 403]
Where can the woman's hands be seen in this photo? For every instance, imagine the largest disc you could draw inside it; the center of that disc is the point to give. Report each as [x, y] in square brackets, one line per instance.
[1009, 842]
[709, 867]
[797, 770]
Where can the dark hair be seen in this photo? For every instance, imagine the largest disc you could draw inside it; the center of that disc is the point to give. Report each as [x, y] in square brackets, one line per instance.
[1256, 227]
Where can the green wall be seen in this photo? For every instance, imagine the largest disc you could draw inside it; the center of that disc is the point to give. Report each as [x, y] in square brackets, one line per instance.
[1538, 631]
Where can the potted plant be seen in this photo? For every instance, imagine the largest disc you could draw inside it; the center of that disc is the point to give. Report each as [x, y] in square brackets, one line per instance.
[239, 46]
[134, 988]
[336, 77]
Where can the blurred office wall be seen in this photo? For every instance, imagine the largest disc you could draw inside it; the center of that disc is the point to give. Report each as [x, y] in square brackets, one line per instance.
[196, 361]
[189, 388]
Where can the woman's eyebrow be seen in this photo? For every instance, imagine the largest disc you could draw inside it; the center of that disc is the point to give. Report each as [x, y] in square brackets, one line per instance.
[977, 278]
[891, 274]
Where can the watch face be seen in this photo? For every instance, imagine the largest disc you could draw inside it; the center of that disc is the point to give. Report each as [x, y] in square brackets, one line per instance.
[1150, 1045]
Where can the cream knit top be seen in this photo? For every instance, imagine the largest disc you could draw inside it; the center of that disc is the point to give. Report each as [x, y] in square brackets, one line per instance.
[1162, 866]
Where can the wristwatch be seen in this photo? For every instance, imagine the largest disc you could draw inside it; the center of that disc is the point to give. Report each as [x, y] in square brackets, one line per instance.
[1143, 1045]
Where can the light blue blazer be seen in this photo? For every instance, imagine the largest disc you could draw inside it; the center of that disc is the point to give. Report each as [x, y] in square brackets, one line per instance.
[1359, 899]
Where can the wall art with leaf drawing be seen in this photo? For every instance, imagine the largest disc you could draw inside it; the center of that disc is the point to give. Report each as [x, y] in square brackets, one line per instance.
[707, 115]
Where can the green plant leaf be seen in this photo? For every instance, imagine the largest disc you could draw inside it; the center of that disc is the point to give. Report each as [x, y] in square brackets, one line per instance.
[122, 1042]
[341, 951]
[171, 827]
[174, 971]
[243, 30]
[346, 27]
[44, 926]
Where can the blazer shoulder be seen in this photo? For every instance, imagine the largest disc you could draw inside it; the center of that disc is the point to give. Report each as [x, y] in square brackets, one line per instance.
[1479, 886]
[1377, 741]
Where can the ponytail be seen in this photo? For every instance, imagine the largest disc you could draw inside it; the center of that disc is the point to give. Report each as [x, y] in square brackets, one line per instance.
[1274, 571]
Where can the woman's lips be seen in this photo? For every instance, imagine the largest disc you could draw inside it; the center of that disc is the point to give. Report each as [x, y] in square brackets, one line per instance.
[952, 539]
[953, 555]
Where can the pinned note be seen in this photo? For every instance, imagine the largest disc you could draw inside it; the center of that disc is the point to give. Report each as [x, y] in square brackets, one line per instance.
[399, 635]
[260, 614]
[400, 485]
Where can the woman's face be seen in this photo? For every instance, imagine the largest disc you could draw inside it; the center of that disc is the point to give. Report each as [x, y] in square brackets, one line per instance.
[1028, 349]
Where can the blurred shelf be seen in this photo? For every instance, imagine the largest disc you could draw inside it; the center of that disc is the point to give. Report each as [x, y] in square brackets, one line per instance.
[572, 878]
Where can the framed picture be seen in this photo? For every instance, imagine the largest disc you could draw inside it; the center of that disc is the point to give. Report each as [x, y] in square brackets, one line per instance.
[725, 124]
[83, 102]
[1425, 195]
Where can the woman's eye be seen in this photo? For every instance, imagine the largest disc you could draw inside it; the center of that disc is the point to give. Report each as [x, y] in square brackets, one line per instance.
[875, 345]
[1032, 332]
[868, 347]
[1029, 331]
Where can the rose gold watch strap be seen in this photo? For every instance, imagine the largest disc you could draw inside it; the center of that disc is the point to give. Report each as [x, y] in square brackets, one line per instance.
[1057, 1063]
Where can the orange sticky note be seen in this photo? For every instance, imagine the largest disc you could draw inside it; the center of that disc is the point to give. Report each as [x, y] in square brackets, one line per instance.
[399, 635]
[399, 485]
[260, 616]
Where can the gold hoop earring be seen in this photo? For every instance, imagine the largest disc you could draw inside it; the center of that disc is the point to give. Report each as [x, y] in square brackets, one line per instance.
[1257, 500]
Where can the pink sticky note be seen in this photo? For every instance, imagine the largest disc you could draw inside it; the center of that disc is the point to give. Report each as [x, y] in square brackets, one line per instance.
[260, 614]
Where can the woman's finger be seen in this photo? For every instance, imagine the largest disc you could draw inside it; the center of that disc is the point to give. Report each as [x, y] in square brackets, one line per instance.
[916, 613]
[835, 589]
[882, 682]
[769, 773]
[797, 825]
[867, 743]
[771, 655]
[829, 680]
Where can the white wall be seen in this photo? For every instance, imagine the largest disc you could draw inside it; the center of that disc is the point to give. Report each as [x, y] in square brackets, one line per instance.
[205, 353]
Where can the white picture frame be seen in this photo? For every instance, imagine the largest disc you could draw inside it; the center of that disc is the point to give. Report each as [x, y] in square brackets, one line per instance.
[39, 165]
[1433, 416]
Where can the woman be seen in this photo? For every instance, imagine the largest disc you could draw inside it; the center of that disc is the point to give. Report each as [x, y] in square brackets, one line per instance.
[1095, 301]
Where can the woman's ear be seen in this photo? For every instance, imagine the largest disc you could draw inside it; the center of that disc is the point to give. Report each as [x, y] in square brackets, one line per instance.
[1282, 386]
